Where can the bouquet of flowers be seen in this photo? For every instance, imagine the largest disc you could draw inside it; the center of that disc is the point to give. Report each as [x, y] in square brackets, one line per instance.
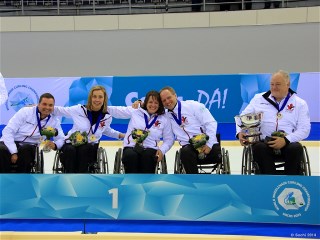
[77, 138]
[139, 136]
[279, 133]
[198, 142]
[48, 133]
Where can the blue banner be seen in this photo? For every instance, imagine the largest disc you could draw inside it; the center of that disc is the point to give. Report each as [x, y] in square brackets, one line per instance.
[269, 199]
[224, 95]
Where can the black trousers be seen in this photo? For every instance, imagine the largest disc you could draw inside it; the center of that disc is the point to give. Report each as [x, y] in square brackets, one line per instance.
[142, 162]
[190, 160]
[26, 158]
[265, 157]
[77, 159]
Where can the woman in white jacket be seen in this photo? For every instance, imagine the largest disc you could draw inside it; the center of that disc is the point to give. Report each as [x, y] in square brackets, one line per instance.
[90, 122]
[147, 126]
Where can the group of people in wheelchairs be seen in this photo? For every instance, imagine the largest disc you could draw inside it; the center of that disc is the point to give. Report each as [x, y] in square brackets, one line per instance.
[160, 117]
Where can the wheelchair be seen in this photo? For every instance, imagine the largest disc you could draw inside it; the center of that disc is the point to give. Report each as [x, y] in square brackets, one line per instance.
[161, 167]
[99, 167]
[207, 168]
[37, 166]
[249, 166]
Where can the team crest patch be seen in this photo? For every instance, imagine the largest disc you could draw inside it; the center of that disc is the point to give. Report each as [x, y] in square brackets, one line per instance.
[290, 107]
[157, 124]
[184, 120]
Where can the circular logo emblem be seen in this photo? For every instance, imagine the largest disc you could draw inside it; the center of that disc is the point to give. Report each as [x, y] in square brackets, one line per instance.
[20, 96]
[291, 199]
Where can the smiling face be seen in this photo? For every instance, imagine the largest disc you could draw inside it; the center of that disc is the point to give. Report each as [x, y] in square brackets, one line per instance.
[45, 107]
[97, 100]
[152, 105]
[168, 99]
[279, 86]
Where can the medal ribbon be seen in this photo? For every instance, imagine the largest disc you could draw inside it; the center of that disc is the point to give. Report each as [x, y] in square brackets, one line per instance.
[284, 103]
[179, 118]
[281, 108]
[147, 122]
[39, 121]
[97, 123]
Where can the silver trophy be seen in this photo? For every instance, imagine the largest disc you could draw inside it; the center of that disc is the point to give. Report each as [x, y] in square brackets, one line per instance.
[250, 125]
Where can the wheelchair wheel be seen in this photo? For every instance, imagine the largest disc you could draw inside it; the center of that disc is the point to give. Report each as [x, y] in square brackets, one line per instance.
[117, 169]
[247, 160]
[163, 164]
[225, 162]
[243, 162]
[38, 165]
[41, 162]
[305, 163]
[102, 161]
[57, 165]
[177, 163]
[161, 167]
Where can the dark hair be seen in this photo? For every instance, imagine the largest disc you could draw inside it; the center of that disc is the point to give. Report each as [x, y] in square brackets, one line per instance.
[155, 95]
[46, 95]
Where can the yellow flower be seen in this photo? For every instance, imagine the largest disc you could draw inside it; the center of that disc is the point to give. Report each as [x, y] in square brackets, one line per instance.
[50, 129]
[139, 132]
[198, 137]
[79, 137]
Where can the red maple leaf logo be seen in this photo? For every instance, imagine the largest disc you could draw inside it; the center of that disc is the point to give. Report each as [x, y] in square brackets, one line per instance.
[290, 107]
[184, 119]
[102, 124]
[157, 123]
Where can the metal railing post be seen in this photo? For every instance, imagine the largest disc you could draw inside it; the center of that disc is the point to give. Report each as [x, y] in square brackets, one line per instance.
[94, 7]
[22, 7]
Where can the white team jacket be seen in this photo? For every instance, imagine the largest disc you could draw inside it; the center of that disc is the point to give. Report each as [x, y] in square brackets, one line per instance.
[195, 116]
[23, 126]
[295, 120]
[81, 122]
[160, 129]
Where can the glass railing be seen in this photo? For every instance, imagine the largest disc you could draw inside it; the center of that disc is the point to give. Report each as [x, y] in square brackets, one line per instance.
[118, 7]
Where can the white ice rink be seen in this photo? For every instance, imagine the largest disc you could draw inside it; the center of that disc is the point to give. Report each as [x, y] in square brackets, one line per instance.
[233, 147]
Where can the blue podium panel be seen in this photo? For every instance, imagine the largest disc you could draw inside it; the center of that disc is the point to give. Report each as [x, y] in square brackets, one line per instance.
[227, 198]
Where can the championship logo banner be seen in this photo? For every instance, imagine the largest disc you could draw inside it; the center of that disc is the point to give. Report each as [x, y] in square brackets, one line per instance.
[224, 95]
[230, 198]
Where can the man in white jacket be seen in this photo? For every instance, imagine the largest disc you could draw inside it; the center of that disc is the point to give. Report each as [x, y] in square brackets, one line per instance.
[23, 134]
[283, 111]
[190, 119]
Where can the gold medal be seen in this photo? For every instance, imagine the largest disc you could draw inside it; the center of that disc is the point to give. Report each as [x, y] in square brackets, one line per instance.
[92, 138]
[279, 115]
